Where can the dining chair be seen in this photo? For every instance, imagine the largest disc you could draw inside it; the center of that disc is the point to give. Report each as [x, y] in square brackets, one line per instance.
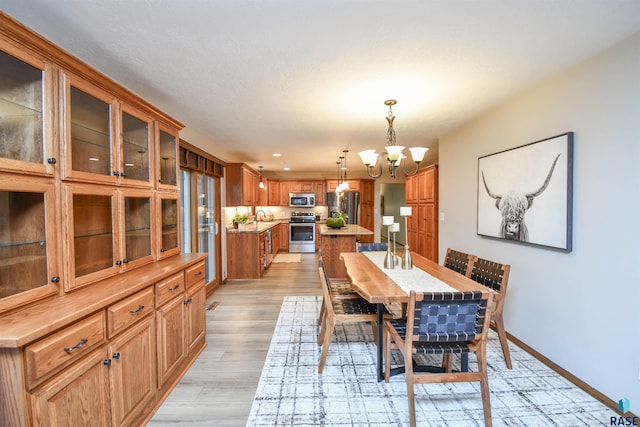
[441, 323]
[339, 289]
[495, 276]
[458, 261]
[340, 311]
[369, 247]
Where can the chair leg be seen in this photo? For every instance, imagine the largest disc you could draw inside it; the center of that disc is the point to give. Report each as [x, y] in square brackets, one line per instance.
[374, 328]
[447, 362]
[323, 328]
[410, 392]
[325, 346]
[387, 355]
[484, 388]
[321, 315]
[504, 343]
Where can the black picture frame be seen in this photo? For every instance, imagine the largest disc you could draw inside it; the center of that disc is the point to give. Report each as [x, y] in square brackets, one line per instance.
[525, 194]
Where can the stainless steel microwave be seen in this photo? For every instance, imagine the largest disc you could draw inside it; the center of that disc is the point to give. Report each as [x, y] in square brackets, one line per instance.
[302, 200]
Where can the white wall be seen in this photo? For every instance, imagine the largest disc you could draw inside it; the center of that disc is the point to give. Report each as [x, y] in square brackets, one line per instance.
[581, 309]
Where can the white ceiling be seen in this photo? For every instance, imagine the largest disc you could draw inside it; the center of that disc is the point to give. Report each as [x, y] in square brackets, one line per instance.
[308, 78]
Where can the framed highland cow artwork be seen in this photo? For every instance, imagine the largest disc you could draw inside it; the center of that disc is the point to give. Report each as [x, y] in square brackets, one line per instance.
[525, 193]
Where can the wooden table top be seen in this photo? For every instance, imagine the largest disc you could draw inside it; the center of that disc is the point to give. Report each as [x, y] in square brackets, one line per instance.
[372, 283]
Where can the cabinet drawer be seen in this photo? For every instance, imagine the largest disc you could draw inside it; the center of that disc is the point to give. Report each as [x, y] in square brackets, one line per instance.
[169, 288]
[195, 274]
[63, 347]
[129, 311]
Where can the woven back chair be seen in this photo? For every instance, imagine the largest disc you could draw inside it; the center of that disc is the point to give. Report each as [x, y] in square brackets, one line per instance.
[341, 310]
[339, 289]
[495, 276]
[370, 247]
[460, 262]
[442, 323]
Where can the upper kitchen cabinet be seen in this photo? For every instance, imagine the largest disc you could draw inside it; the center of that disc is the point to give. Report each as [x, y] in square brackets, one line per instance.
[26, 112]
[242, 185]
[167, 158]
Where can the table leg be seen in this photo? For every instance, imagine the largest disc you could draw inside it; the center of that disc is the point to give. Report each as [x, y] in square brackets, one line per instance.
[380, 312]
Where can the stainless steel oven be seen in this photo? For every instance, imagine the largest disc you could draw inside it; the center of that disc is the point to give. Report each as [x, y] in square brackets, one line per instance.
[302, 232]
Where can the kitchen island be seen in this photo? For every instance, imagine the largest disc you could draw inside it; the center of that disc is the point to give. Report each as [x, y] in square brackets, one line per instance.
[250, 251]
[334, 241]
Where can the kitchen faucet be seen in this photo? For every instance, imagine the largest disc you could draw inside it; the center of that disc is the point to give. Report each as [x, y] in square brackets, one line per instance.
[264, 214]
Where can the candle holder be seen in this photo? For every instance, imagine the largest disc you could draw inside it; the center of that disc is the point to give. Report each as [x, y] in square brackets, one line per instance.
[407, 262]
[395, 227]
[389, 261]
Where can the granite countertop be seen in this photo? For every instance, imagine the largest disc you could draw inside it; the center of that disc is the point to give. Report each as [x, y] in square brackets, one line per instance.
[255, 227]
[347, 230]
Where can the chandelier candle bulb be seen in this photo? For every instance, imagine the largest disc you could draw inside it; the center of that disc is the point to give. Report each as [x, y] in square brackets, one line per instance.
[405, 211]
[387, 220]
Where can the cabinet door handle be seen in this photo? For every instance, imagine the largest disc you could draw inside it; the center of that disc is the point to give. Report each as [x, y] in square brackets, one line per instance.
[116, 173]
[173, 288]
[125, 261]
[55, 279]
[51, 161]
[138, 311]
[161, 250]
[187, 301]
[199, 273]
[106, 362]
[80, 344]
[116, 355]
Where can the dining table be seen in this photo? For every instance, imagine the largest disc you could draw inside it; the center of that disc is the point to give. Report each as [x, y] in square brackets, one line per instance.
[380, 285]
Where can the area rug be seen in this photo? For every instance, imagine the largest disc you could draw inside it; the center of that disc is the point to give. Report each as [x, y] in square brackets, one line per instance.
[287, 258]
[292, 393]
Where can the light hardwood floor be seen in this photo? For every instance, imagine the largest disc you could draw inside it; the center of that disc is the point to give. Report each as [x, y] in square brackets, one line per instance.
[220, 386]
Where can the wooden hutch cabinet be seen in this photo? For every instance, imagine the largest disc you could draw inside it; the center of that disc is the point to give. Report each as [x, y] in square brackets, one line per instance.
[422, 195]
[89, 245]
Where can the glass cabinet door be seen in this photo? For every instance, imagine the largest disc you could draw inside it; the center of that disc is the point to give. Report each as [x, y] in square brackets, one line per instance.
[90, 133]
[135, 148]
[169, 239]
[168, 154]
[22, 100]
[137, 209]
[27, 266]
[92, 246]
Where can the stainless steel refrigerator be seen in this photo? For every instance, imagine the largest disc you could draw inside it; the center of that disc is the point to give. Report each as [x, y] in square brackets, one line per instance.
[348, 202]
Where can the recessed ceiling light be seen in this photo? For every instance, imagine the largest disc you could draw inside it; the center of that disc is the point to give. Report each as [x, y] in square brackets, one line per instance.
[94, 159]
[287, 168]
[276, 154]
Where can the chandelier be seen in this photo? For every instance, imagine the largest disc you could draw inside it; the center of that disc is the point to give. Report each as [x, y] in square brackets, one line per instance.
[261, 184]
[343, 184]
[394, 155]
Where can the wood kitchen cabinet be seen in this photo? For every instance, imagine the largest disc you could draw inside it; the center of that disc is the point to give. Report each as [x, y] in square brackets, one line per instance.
[422, 195]
[320, 191]
[284, 236]
[366, 209]
[273, 190]
[241, 185]
[88, 228]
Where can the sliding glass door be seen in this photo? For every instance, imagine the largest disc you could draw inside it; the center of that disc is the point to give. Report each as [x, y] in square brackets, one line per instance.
[200, 204]
[207, 223]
